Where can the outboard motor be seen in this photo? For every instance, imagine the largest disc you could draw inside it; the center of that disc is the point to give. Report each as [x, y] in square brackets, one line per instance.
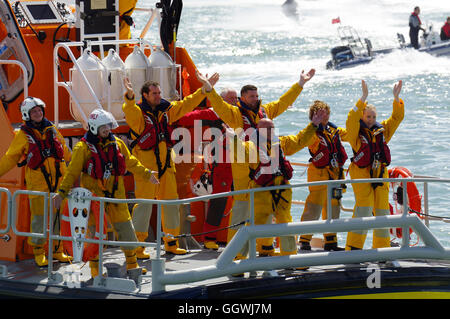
[341, 53]
[401, 40]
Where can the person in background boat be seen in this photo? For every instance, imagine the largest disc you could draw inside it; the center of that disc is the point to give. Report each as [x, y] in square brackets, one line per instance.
[45, 153]
[328, 157]
[102, 160]
[150, 122]
[369, 140]
[126, 8]
[271, 168]
[415, 25]
[245, 116]
[445, 30]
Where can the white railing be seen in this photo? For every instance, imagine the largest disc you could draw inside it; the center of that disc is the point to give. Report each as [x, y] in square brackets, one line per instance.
[24, 74]
[226, 265]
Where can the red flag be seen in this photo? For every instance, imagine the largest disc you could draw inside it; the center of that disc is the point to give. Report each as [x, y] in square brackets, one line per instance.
[337, 20]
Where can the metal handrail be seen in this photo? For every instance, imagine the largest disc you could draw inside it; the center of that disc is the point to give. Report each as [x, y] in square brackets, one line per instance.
[24, 71]
[225, 265]
[8, 210]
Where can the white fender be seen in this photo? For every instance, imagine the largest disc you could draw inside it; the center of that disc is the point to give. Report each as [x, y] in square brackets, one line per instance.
[79, 215]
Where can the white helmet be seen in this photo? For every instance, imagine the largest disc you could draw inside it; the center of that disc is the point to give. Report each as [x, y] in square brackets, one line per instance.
[28, 104]
[100, 117]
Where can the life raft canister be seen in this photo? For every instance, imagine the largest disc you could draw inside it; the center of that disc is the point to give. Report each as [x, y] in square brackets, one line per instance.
[39, 150]
[90, 250]
[414, 197]
[331, 152]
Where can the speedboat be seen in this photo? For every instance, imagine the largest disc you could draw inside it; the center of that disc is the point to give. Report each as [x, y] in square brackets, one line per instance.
[430, 42]
[355, 51]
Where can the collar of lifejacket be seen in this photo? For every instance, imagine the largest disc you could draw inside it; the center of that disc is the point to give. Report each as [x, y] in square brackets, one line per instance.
[375, 127]
[41, 126]
[246, 107]
[95, 139]
[162, 106]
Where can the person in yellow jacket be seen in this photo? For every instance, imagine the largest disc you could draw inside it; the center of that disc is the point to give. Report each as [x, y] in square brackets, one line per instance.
[369, 139]
[126, 8]
[150, 123]
[102, 160]
[244, 117]
[272, 169]
[45, 153]
[327, 159]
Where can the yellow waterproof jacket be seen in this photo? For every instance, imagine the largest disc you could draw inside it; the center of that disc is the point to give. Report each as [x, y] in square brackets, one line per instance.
[289, 144]
[353, 125]
[33, 177]
[81, 154]
[136, 122]
[232, 116]
[125, 7]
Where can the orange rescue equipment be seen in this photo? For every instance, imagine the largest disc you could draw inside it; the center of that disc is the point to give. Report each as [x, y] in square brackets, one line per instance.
[414, 197]
[90, 249]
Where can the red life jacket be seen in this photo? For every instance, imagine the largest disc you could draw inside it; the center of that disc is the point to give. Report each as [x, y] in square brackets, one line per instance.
[264, 174]
[331, 152]
[374, 149]
[104, 161]
[39, 150]
[155, 130]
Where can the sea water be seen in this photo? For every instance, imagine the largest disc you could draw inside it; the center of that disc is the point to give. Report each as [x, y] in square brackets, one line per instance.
[253, 42]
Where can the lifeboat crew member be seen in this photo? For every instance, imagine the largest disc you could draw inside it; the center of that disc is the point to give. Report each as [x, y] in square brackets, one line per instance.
[126, 8]
[45, 152]
[271, 168]
[369, 140]
[327, 160]
[150, 121]
[102, 160]
[220, 172]
[244, 118]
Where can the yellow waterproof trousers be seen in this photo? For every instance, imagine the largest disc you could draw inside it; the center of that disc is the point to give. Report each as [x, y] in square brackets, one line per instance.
[167, 189]
[316, 203]
[369, 201]
[277, 203]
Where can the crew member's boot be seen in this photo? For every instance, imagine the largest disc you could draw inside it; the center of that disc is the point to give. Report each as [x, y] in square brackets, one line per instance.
[59, 254]
[131, 260]
[140, 251]
[39, 256]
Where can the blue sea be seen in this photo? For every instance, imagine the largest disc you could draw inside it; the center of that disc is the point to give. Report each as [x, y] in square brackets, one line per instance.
[254, 42]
